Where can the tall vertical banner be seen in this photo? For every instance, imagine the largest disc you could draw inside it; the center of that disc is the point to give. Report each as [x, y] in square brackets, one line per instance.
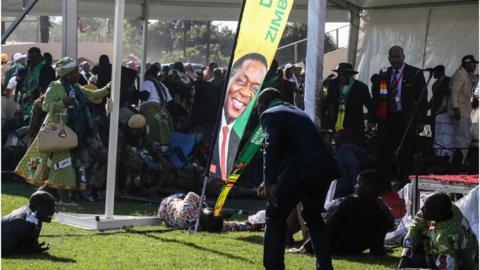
[260, 30]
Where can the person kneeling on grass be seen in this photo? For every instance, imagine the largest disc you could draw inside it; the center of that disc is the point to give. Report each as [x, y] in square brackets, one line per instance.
[21, 228]
[439, 237]
[179, 211]
[359, 221]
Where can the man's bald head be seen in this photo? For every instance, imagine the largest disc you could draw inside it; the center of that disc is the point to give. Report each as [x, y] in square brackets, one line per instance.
[396, 56]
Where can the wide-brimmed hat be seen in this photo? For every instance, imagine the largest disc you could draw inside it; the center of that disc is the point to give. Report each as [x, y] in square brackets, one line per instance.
[469, 59]
[345, 67]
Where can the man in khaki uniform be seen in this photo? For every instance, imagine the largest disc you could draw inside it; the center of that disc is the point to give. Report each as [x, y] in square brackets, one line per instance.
[462, 85]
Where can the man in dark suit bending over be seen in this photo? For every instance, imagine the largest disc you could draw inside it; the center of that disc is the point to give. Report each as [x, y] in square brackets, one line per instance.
[297, 167]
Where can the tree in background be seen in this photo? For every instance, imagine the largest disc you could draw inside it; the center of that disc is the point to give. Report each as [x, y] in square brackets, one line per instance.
[295, 32]
[168, 41]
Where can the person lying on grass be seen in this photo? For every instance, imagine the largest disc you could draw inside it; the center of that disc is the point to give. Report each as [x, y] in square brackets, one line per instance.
[21, 228]
[179, 211]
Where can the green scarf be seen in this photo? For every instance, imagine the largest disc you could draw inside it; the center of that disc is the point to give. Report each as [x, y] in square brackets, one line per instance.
[32, 78]
[473, 79]
[342, 105]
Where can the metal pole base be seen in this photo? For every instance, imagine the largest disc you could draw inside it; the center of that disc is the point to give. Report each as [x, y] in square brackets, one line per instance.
[99, 222]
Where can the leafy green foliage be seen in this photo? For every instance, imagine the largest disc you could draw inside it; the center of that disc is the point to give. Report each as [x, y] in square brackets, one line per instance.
[296, 32]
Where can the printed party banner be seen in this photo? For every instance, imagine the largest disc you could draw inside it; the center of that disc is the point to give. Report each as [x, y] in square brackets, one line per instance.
[261, 27]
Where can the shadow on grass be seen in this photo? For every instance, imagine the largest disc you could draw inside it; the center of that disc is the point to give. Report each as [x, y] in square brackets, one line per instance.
[42, 256]
[107, 233]
[16, 186]
[254, 239]
[385, 260]
[197, 247]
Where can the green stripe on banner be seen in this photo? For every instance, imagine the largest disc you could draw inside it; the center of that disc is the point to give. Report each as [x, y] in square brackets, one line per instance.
[248, 152]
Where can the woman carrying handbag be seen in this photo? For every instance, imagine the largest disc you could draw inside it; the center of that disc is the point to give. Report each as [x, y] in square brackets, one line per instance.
[64, 168]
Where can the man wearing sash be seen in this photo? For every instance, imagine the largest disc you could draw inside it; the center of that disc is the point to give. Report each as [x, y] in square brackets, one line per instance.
[404, 85]
[346, 98]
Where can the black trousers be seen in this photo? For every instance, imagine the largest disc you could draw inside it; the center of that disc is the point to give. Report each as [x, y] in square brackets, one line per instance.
[389, 138]
[313, 199]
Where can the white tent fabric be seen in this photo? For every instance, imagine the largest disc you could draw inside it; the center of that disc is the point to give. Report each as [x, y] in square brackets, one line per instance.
[448, 41]
[429, 36]
[227, 10]
[469, 207]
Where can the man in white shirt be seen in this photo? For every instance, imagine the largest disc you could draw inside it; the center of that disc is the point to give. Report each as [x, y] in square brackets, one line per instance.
[155, 96]
[16, 80]
[85, 73]
[149, 87]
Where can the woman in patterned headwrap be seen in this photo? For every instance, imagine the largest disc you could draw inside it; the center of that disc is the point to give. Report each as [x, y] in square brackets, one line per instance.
[65, 102]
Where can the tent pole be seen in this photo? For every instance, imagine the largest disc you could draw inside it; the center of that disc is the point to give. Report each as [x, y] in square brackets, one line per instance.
[314, 60]
[353, 37]
[17, 21]
[69, 28]
[427, 29]
[144, 40]
[115, 97]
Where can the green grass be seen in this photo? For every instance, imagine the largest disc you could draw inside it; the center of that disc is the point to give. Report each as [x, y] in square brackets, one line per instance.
[153, 247]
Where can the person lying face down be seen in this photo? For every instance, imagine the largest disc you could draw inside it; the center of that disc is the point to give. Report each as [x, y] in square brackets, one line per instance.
[21, 228]
[179, 211]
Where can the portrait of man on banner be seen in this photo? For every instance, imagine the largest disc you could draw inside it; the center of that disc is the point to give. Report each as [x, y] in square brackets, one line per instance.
[246, 77]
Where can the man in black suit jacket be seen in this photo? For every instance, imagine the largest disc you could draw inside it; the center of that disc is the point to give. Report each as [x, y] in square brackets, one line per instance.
[350, 95]
[297, 167]
[441, 92]
[404, 86]
[21, 228]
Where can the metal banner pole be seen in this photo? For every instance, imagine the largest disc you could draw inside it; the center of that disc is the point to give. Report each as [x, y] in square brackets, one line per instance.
[115, 97]
[217, 124]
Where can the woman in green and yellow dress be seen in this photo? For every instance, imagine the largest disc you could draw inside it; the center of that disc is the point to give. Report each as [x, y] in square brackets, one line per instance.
[65, 102]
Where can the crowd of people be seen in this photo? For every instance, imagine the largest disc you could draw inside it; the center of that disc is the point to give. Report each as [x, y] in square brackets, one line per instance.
[396, 139]
[157, 153]
[173, 99]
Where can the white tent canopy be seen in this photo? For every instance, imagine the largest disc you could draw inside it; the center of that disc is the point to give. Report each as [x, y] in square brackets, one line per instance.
[220, 10]
[213, 9]
[430, 36]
